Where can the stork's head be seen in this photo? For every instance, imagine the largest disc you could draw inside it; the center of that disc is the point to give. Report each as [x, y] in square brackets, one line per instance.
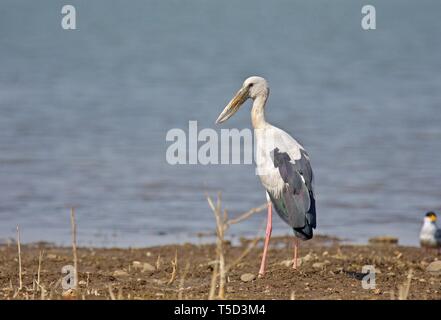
[252, 87]
[430, 217]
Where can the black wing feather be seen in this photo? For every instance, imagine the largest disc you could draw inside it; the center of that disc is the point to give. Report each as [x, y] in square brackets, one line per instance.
[296, 204]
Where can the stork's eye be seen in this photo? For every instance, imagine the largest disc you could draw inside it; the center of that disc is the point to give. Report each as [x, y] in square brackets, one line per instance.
[250, 85]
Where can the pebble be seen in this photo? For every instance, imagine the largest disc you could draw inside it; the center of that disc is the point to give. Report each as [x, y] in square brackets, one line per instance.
[137, 265]
[147, 267]
[318, 265]
[120, 273]
[307, 258]
[82, 283]
[321, 265]
[144, 267]
[159, 281]
[68, 294]
[247, 277]
[288, 263]
[434, 267]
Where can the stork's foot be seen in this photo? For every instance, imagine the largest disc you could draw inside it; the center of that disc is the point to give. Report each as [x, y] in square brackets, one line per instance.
[295, 265]
[261, 272]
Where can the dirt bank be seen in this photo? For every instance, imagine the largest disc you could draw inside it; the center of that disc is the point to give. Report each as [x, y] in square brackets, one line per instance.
[329, 270]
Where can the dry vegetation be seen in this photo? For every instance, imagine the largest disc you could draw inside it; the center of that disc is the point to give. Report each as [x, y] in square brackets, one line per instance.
[328, 269]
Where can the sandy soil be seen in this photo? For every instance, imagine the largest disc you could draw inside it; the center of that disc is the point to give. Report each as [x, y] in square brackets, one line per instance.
[329, 270]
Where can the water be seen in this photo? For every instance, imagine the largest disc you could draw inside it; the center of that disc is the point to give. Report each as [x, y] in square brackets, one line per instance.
[84, 114]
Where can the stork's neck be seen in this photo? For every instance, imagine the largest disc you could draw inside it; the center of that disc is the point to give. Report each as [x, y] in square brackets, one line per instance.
[258, 112]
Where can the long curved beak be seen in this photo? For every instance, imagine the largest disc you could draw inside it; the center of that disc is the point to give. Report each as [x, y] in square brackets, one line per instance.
[234, 105]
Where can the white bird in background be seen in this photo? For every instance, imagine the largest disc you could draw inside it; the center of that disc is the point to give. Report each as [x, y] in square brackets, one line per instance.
[283, 167]
[430, 235]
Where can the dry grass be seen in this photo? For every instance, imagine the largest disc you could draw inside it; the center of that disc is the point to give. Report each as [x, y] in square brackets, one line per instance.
[182, 281]
[175, 269]
[74, 247]
[404, 289]
[20, 273]
[222, 224]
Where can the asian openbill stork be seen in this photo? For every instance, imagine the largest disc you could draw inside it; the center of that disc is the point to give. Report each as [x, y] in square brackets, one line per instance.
[283, 167]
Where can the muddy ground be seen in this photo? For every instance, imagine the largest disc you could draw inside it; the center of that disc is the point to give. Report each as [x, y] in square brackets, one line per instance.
[329, 270]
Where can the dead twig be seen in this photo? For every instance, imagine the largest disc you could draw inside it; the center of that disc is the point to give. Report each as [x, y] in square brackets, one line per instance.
[213, 281]
[74, 246]
[247, 214]
[220, 231]
[403, 290]
[181, 282]
[158, 262]
[40, 259]
[175, 268]
[20, 274]
[112, 295]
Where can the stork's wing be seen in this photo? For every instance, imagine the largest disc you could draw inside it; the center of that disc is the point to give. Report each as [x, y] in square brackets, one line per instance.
[296, 203]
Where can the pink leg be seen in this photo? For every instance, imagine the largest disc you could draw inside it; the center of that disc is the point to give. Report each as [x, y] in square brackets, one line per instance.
[296, 249]
[269, 228]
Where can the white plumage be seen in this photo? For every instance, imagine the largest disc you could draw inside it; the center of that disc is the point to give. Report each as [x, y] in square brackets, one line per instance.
[267, 139]
[430, 234]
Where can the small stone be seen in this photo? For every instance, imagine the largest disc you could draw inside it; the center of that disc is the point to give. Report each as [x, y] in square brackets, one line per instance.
[307, 258]
[434, 267]
[137, 265]
[247, 277]
[147, 267]
[82, 283]
[318, 265]
[120, 273]
[159, 281]
[69, 294]
[286, 263]
[51, 256]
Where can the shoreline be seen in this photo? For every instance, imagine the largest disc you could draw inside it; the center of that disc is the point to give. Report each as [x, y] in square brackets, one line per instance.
[330, 269]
